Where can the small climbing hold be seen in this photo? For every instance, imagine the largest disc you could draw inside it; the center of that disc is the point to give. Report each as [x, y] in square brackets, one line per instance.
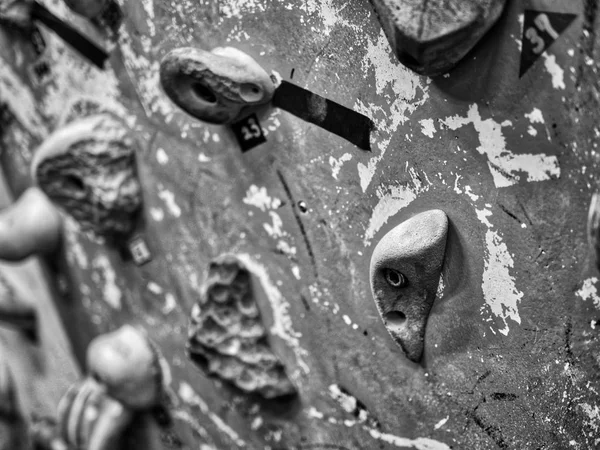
[431, 37]
[219, 86]
[227, 336]
[88, 168]
[405, 272]
[127, 364]
[32, 225]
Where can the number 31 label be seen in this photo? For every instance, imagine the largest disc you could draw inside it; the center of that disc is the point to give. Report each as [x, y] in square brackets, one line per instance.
[248, 132]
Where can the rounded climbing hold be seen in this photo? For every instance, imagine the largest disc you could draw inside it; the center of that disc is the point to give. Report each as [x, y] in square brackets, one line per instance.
[126, 363]
[217, 86]
[32, 225]
[88, 168]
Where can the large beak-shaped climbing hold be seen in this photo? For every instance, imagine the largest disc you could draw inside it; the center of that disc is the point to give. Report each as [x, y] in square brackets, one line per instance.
[90, 419]
[405, 273]
[216, 86]
[32, 225]
[88, 8]
[126, 363]
[432, 36]
[593, 228]
[228, 338]
[88, 168]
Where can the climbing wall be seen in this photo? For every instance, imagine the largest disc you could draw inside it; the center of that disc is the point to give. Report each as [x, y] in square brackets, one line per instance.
[511, 346]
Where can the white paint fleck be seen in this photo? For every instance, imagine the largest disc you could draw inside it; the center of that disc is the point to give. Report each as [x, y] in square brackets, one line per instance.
[313, 413]
[441, 423]
[259, 198]
[535, 116]
[169, 198]
[589, 291]
[555, 71]
[501, 296]
[189, 396]
[347, 319]
[155, 288]
[203, 158]
[419, 443]
[170, 303]
[532, 131]
[157, 214]
[296, 272]
[110, 291]
[336, 164]
[161, 156]
[427, 127]
[505, 166]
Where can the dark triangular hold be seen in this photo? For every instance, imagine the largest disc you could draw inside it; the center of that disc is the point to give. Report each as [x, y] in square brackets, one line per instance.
[540, 30]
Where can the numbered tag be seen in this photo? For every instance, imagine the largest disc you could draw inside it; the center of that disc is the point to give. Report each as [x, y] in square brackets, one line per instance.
[248, 132]
[540, 30]
[139, 251]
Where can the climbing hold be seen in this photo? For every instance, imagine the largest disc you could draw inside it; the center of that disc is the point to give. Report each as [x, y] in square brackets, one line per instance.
[32, 225]
[227, 336]
[90, 419]
[126, 363]
[219, 86]
[16, 12]
[16, 314]
[88, 169]
[431, 37]
[593, 228]
[405, 273]
[88, 8]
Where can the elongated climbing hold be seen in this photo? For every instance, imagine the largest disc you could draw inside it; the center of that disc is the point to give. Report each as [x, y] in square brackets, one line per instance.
[32, 225]
[405, 273]
[432, 36]
[227, 336]
[218, 86]
[88, 168]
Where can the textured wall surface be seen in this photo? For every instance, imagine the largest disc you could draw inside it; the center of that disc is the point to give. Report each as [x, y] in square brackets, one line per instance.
[511, 357]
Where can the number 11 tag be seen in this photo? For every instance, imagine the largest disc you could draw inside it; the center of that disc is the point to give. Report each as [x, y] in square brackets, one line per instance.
[248, 132]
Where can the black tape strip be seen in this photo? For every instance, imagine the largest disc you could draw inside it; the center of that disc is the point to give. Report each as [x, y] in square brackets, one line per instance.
[330, 116]
[84, 46]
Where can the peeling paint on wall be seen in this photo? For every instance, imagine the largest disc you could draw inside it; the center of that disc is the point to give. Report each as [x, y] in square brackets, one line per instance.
[505, 166]
[500, 293]
[589, 291]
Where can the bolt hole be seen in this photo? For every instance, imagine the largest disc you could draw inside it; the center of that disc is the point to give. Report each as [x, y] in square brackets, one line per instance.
[395, 278]
[395, 318]
[204, 93]
[74, 183]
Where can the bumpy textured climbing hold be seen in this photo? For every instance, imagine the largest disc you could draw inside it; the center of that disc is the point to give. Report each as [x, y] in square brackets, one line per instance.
[217, 86]
[88, 168]
[405, 273]
[127, 364]
[431, 37]
[30, 226]
[227, 336]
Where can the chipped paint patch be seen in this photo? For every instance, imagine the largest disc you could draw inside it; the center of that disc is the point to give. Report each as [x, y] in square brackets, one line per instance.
[169, 198]
[500, 293]
[427, 127]
[505, 166]
[107, 278]
[348, 403]
[162, 157]
[441, 423]
[189, 396]
[282, 321]
[336, 164]
[400, 88]
[392, 199]
[593, 414]
[157, 214]
[589, 291]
